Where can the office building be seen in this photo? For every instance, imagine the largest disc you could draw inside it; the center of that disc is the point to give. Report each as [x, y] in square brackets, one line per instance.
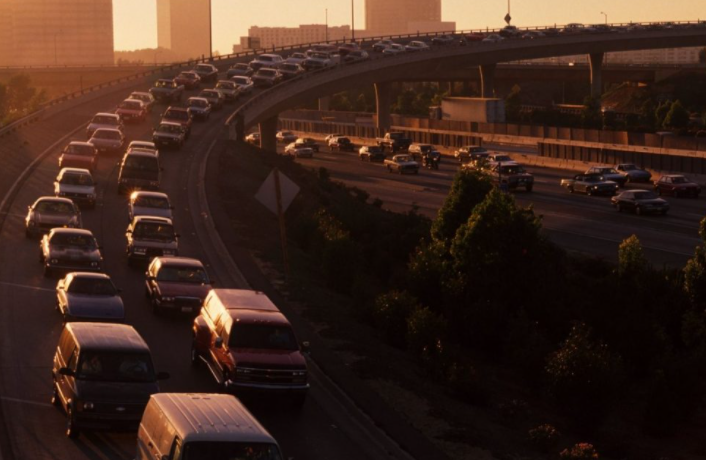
[56, 32]
[389, 17]
[183, 26]
[307, 33]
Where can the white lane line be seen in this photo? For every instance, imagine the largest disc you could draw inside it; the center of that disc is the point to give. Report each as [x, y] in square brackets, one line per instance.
[25, 286]
[25, 401]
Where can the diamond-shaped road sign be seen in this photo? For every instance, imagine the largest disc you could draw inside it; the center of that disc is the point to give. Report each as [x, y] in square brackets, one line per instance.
[508, 18]
[267, 194]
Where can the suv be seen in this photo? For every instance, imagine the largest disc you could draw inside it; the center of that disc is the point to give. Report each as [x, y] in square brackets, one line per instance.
[249, 345]
[150, 236]
[79, 155]
[51, 212]
[76, 184]
[69, 249]
[139, 170]
[103, 376]
[180, 115]
[89, 297]
[179, 284]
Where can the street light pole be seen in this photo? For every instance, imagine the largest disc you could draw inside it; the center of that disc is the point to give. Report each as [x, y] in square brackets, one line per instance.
[56, 63]
[353, 19]
[210, 30]
[326, 25]
[606, 17]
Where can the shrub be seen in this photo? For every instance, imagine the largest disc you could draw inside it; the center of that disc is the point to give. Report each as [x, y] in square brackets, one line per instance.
[631, 258]
[544, 437]
[467, 190]
[581, 451]
[424, 329]
[390, 314]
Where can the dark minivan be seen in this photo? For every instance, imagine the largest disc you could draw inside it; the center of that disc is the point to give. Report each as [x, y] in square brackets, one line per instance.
[139, 170]
[103, 377]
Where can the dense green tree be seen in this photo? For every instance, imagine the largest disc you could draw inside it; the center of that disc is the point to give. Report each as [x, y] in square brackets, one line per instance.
[341, 102]
[631, 259]
[695, 272]
[661, 113]
[677, 117]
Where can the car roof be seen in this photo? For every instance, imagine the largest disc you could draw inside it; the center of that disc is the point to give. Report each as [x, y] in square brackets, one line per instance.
[170, 261]
[106, 114]
[202, 99]
[210, 417]
[148, 193]
[74, 171]
[151, 219]
[143, 152]
[170, 123]
[70, 231]
[253, 316]
[244, 299]
[141, 143]
[102, 336]
[54, 198]
[82, 143]
[108, 129]
[92, 275]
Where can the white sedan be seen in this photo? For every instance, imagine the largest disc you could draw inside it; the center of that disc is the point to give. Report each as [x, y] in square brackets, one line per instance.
[299, 151]
[416, 46]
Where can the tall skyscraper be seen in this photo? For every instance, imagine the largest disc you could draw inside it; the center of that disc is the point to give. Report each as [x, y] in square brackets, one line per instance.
[56, 32]
[183, 26]
[389, 17]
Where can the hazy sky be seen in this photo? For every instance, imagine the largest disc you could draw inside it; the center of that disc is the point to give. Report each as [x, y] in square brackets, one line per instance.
[135, 20]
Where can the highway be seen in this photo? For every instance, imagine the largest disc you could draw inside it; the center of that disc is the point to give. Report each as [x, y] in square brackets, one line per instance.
[585, 224]
[30, 326]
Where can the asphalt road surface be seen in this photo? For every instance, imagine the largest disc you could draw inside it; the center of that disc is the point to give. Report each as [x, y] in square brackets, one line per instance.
[586, 224]
[324, 429]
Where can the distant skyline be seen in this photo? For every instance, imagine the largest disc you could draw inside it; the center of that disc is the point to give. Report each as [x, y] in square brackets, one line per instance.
[136, 25]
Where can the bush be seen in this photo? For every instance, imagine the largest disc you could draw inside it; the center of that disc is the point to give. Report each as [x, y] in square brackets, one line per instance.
[390, 314]
[424, 329]
[581, 451]
[544, 437]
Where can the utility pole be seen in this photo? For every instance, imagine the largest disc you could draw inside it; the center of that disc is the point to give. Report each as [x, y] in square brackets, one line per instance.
[353, 19]
[210, 30]
[606, 17]
[326, 25]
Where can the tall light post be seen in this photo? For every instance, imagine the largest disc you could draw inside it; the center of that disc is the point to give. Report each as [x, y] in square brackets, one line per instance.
[353, 20]
[606, 17]
[56, 62]
[210, 31]
[326, 25]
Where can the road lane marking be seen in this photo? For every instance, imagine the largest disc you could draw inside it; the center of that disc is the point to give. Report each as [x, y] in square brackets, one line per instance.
[25, 286]
[25, 401]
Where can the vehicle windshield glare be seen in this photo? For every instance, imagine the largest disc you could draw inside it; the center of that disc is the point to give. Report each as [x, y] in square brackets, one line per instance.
[645, 195]
[262, 337]
[109, 366]
[230, 451]
[73, 240]
[193, 275]
[91, 286]
[76, 179]
[54, 207]
[153, 231]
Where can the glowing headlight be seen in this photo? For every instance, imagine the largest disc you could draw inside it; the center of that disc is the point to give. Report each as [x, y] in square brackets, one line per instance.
[140, 250]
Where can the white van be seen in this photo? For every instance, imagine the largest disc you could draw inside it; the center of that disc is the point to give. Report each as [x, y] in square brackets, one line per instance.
[190, 426]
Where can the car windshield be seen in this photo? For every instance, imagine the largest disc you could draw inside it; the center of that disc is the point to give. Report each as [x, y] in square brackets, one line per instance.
[132, 105]
[73, 240]
[54, 207]
[91, 286]
[403, 158]
[502, 158]
[608, 171]
[204, 68]
[76, 179]
[176, 115]
[298, 56]
[142, 163]
[151, 202]
[194, 275]
[107, 134]
[198, 103]
[165, 84]
[263, 337]
[79, 149]
[209, 94]
[142, 97]
[374, 149]
[679, 180]
[629, 167]
[241, 80]
[593, 178]
[153, 231]
[212, 450]
[105, 120]
[169, 129]
[114, 366]
[645, 195]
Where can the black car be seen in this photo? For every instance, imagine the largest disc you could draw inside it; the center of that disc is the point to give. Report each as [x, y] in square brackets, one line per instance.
[342, 144]
[307, 142]
[103, 377]
[640, 202]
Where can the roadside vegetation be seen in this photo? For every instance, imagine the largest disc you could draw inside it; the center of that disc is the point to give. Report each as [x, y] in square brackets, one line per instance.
[610, 358]
[18, 98]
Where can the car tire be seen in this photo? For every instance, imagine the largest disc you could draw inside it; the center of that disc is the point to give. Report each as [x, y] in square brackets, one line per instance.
[72, 432]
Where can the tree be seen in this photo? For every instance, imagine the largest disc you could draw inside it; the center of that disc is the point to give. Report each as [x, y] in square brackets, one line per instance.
[631, 259]
[661, 113]
[19, 93]
[677, 117]
[648, 116]
[405, 103]
[695, 272]
[467, 190]
[513, 104]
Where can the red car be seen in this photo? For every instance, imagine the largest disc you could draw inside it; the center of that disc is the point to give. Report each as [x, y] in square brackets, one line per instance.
[179, 284]
[132, 110]
[180, 115]
[79, 155]
[677, 185]
[475, 37]
[189, 79]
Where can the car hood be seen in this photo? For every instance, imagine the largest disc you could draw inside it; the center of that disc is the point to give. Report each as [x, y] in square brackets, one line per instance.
[278, 358]
[95, 307]
[173, 289]
[118, 392]
[66, 188]
[59, 219]
[157, 212]
[74, 254]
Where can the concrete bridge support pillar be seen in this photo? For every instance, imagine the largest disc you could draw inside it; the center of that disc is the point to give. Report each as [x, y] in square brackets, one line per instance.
[268, 134]
[325, 103]
[487, 80]
[596, 63]
[383, 102]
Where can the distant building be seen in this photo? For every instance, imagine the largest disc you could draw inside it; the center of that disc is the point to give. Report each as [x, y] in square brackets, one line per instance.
[286, 36]
[668, 56]
[183, 26]
[389, 17]
[56, 32]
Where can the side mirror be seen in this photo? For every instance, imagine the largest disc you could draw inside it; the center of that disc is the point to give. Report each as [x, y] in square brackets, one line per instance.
[306, 347]
[67, 372]
[218, 342]
[162, 375]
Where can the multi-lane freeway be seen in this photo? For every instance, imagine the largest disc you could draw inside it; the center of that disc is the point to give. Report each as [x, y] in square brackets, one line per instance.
[587, 224]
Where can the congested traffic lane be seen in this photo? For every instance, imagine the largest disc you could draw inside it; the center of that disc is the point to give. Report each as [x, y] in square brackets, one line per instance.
[31, 326]
[586, 224]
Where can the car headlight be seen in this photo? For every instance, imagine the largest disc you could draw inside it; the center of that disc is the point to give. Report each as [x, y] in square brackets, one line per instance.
[62, 193]
[87, 406]
[168, 299]
[168, 252]
[54, 261]
[139, 250]
[242, 371]
[94, 264]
